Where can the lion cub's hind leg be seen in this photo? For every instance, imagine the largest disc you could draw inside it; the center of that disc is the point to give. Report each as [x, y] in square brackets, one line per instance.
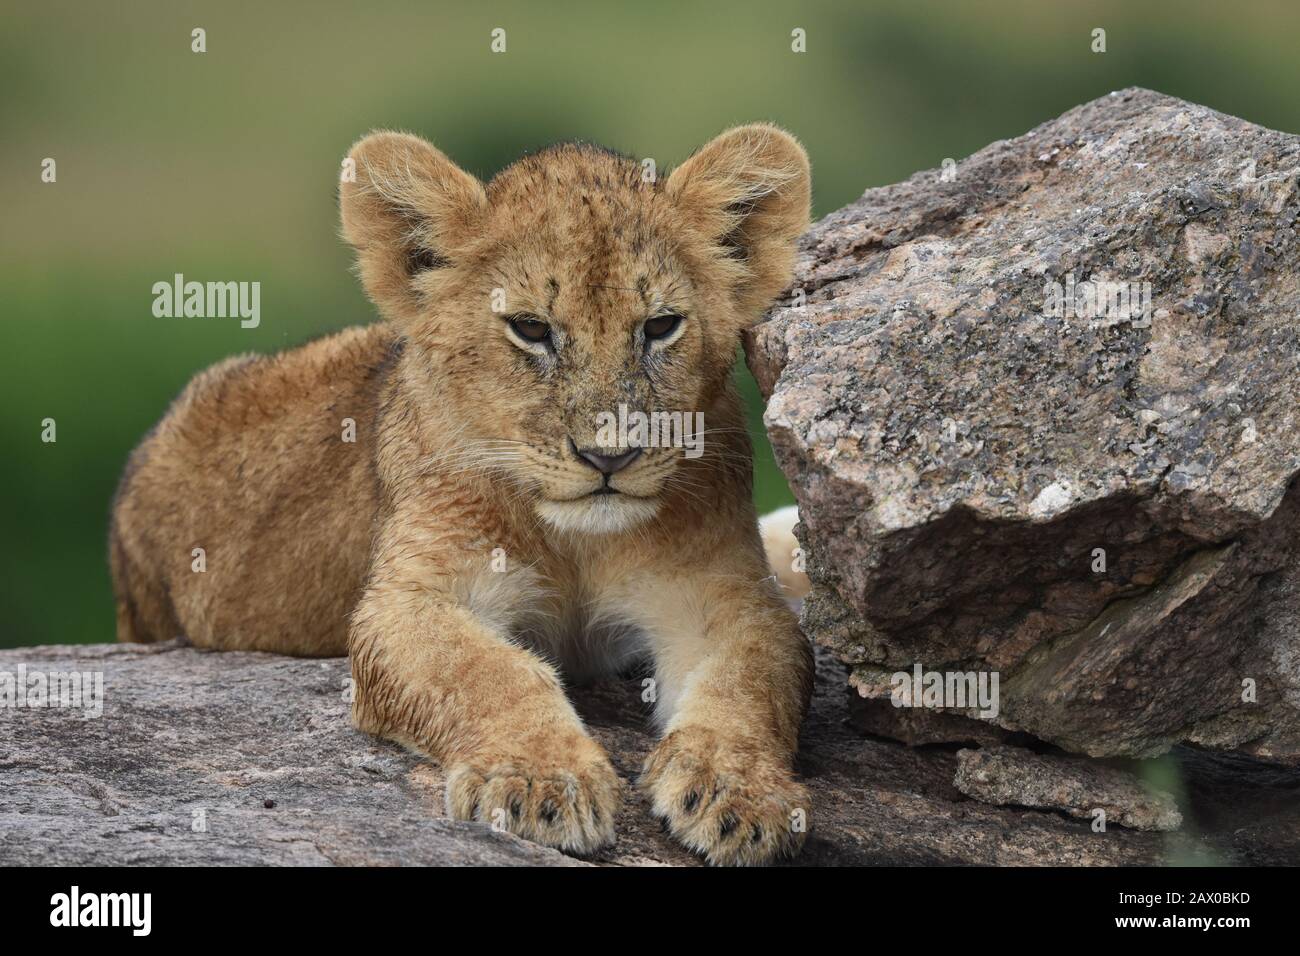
[144, 608]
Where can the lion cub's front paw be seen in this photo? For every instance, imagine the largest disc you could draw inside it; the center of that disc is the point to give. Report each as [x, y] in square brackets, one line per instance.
[732, 803]
[564, 795]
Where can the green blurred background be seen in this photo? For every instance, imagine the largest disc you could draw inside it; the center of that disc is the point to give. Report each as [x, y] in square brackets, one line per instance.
[223, 165]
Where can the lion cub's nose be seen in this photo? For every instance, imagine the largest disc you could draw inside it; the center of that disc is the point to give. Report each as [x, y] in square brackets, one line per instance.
[606, 464]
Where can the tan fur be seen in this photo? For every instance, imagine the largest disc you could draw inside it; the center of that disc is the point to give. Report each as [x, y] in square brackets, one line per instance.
[784, 553]
[455, 549]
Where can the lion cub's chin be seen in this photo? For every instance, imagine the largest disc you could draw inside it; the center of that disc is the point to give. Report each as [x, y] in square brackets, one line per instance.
[598, 514]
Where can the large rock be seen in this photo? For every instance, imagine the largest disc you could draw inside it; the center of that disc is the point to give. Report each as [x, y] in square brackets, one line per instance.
[964, 444]
[251, 759]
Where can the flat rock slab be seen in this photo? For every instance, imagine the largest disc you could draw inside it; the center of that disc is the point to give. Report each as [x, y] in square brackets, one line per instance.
[1013, 776]
[212, 758]
[1041, 412]
[239, 759]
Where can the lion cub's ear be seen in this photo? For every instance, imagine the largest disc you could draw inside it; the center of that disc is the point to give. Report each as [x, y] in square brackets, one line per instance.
[748, 191]
[408, 211]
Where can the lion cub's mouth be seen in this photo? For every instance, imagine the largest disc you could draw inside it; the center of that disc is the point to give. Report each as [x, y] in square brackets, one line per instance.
[602, 491]
[603, 511]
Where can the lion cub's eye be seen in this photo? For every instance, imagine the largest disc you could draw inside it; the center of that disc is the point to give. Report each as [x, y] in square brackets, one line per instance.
[662, 326]
[529, 328]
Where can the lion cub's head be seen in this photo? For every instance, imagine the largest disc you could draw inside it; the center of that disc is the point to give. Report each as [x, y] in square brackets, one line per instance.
[575, 319]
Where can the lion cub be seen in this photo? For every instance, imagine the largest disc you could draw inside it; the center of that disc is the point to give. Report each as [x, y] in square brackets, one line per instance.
[439, 496]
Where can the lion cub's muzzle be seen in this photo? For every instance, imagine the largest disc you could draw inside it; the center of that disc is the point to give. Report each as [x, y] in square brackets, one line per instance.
[606, 463]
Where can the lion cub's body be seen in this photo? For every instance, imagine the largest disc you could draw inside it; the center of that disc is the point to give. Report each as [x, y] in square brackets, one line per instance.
[431, 495]
[250, 466]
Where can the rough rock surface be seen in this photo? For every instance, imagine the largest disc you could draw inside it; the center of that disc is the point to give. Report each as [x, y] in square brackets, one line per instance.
[263, 745]
[966, 440]
[1079, 786]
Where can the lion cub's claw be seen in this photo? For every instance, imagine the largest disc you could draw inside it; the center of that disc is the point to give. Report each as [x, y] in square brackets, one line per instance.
[727, 805]
[569, 808]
